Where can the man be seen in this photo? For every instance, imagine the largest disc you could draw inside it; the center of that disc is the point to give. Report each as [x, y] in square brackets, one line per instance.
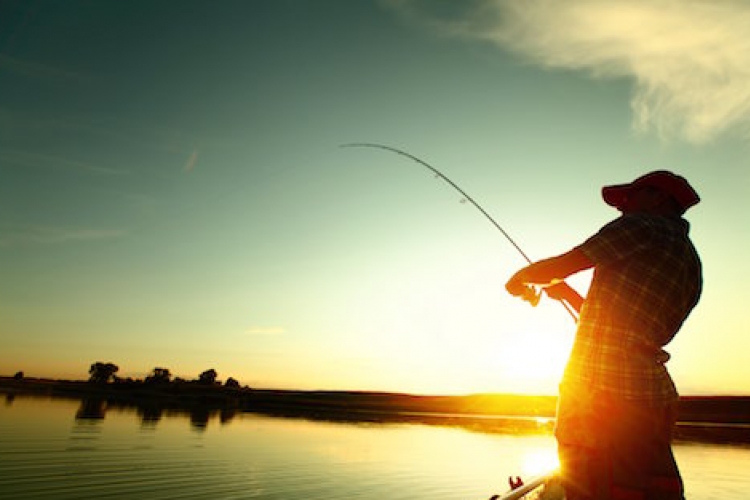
[617, 404]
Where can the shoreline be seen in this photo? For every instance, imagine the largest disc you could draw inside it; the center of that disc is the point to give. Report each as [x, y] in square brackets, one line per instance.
[701, 418]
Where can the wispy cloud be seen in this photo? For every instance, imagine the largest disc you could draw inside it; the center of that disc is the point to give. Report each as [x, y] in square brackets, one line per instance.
[264, 331]
[113, 132]
[29, 159]
[689, 59]
[49, 235]
[191, 162]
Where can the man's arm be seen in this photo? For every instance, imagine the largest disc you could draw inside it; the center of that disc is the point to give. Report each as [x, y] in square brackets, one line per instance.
[564, 292]
[550, 272]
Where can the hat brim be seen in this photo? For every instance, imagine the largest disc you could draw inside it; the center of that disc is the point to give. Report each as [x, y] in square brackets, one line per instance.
[617, 195]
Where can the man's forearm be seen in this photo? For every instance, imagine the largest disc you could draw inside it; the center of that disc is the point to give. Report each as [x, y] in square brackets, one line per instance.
[548, 271]
[565, 292]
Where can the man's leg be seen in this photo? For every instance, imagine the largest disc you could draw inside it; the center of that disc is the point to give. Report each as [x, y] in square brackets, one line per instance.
[584, 467]
[613, 450]
[666, 481]
[643, 466]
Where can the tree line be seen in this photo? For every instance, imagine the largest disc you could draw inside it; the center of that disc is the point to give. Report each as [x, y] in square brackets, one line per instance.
[106, 373]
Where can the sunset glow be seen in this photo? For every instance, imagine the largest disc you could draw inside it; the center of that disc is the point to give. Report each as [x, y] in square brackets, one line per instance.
[173, 192]
[539, 462]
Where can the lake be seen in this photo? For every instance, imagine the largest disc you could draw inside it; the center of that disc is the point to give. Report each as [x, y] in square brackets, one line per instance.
[63, 449]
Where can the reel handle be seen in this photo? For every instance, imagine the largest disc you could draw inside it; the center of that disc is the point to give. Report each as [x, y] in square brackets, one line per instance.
[532, 295]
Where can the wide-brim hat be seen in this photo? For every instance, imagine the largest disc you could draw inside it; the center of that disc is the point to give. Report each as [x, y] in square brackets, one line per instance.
[674, 185]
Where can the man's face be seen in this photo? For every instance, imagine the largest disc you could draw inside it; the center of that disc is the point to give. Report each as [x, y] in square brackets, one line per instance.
[643, 199]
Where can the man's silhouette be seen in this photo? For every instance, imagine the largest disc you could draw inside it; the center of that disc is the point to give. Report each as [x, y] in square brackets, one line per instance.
[617, 405]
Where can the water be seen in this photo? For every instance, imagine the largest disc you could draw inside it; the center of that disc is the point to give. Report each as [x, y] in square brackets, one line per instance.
[59, 449]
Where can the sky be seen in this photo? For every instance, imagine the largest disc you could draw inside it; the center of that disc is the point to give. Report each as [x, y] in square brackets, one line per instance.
[173, 192]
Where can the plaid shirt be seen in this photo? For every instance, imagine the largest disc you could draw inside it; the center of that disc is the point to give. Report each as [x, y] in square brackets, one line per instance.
[647, 279]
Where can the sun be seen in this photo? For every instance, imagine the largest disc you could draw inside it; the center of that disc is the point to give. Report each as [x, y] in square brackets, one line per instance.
[539, 461]
[532, 362]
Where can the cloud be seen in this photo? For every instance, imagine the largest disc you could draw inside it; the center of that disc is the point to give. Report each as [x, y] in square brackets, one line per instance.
[264, 331]
[113, 133]
[191, 162]
[37, 160]
[689, 60]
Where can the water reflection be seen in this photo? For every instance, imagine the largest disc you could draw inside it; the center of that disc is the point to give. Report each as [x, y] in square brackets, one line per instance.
[87, 426]
[199, 418]
[227, 415]
[92, 409]
[486, 424]
[150, 413]
[162, 453]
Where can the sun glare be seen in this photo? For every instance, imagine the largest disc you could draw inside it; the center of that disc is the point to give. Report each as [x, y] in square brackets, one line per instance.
[540, 461]
[534, 361]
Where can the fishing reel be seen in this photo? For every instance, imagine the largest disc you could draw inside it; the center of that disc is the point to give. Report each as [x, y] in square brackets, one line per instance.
[531, 294]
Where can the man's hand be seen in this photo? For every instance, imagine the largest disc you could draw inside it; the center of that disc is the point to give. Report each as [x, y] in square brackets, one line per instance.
[518, 286]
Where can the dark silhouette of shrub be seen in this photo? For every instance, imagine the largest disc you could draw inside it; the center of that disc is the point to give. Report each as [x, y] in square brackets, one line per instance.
[101, 373]
[159, 376]
[208, 377]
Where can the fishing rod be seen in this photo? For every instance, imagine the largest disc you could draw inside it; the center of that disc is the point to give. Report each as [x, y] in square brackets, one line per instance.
[531, 297]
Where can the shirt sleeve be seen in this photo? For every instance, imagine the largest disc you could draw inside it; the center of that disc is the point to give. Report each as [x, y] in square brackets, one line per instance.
[617, 240]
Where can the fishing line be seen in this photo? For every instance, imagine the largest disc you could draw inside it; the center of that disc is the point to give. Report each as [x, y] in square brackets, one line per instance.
[465, 195]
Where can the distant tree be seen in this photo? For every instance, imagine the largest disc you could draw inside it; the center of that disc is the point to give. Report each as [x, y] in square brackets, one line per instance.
[232, 383]
[101, 373]
[208, 377]
[18, 376]
[159, 376]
